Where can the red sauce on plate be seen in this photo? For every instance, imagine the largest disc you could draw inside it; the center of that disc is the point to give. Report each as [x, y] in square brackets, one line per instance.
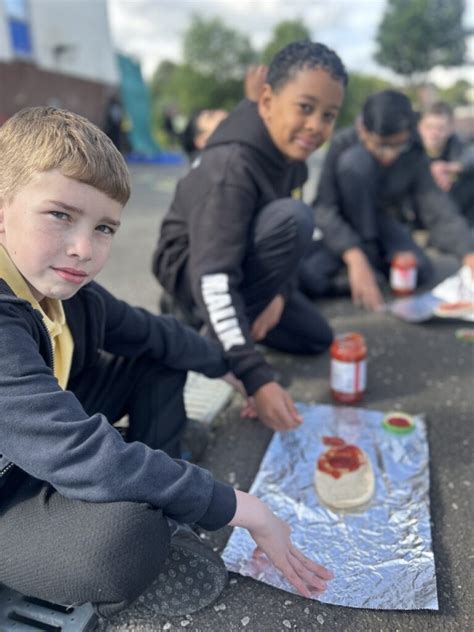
[338, 461]
[399, 422]
[333, 441]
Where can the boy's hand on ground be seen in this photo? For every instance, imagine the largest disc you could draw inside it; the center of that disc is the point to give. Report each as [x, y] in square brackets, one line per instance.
[249, 409]
[364, 288]
[275, 407]
[268, 319]
[272, 537]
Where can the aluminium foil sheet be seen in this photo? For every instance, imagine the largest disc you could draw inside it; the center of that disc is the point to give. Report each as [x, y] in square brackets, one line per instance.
[381, 554]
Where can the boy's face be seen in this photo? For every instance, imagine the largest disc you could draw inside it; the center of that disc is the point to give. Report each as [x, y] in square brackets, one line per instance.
[300, 117]
[58, 233]
[435, 130]
[206, 124]
[385, 149]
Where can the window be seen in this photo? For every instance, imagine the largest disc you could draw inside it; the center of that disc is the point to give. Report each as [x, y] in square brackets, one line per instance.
[18, 23]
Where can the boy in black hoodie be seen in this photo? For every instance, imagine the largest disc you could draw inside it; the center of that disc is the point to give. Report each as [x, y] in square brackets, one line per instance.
[85, 515]
[237, 228]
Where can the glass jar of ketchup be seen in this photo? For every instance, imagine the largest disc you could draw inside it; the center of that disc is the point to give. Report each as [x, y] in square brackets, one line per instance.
[403, 273]
[348, 367]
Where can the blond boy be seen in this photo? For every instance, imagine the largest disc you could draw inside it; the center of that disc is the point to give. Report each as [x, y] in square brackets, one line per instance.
[87, 516]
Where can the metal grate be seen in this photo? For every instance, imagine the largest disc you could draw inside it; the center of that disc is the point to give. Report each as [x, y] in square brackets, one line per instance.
[27, 614]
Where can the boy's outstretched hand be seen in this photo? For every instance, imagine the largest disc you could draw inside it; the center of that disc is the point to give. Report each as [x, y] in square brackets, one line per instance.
[272, 536]
[275, 407]
[364, 287]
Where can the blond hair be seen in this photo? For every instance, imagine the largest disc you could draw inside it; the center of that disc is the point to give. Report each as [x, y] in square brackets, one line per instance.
[40, 139]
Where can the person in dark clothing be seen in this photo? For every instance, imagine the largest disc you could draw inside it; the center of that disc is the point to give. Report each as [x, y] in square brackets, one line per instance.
[452, 158]
[368, 173]
[232, 240]
[113, 121]
[203, 123]
[86, 515]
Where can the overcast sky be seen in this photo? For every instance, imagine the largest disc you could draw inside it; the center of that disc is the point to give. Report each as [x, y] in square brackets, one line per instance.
[152, 30]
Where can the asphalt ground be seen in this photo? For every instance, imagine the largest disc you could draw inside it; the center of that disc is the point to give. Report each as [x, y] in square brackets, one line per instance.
[414, 368]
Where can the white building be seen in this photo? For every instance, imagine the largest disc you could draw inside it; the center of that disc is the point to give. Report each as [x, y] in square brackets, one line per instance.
[56, 52]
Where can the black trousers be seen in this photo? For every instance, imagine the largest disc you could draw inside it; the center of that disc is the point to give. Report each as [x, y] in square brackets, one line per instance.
[366, 207]
[70, 551]
[279, 238]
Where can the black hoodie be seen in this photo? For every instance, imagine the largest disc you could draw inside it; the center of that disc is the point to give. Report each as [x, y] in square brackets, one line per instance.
[208, 225]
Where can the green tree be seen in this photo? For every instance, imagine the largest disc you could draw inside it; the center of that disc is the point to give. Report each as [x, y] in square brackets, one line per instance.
[215, 59]
[457, 94]
[416, 35]
[359, 88]
[162, 76]
[212, 48]
[284, 33]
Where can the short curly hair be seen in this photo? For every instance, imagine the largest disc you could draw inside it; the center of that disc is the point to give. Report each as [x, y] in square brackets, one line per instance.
[304, 55]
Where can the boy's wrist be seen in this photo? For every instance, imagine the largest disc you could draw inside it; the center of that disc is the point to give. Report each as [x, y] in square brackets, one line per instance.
[251, 513]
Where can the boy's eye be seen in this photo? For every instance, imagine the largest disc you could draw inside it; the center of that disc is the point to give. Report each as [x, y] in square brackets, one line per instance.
[106, 230]
[60, 215]
[329, 117]
[306, 108]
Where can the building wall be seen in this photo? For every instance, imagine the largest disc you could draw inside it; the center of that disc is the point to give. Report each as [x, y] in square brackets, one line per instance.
[71, 62]
[73, 38]
[29, 86]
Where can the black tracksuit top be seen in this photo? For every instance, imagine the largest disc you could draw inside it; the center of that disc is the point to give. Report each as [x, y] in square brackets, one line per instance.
[207, 227]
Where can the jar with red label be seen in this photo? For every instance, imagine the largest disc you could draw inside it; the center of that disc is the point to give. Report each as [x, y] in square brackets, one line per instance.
[403, 273]
[348, 367]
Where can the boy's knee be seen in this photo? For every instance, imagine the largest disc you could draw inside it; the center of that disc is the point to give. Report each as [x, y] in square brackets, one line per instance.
[290, 218]
[325, 338]
[125, 554]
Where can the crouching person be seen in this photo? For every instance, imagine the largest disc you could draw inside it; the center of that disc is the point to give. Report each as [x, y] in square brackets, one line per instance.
[85, 515]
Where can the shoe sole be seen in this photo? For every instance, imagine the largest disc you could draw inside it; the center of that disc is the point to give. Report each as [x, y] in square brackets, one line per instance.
[192, 578]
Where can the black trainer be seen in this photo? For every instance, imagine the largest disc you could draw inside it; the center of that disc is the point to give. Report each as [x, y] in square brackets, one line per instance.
[193, 577]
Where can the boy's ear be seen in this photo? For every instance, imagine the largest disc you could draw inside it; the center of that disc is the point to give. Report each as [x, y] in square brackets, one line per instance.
[265, 102]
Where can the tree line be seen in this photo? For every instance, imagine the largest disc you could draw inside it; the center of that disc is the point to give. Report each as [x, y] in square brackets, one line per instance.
[413, 37]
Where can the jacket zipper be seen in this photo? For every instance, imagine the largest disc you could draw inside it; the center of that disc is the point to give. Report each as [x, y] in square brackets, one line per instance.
[50, 344]
[6, 469]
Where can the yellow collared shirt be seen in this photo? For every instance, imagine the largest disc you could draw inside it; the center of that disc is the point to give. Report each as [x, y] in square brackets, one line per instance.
[53, 317]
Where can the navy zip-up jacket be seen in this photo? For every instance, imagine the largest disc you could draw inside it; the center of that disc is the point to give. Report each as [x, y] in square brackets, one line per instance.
[46, 432]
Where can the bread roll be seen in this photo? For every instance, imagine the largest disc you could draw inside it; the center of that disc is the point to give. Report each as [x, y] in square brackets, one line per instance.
[344, 478]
